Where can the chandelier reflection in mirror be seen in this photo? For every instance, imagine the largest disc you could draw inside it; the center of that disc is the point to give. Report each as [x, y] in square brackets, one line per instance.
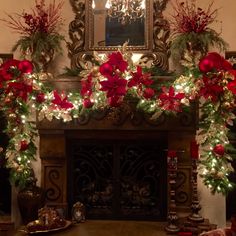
[126, 11]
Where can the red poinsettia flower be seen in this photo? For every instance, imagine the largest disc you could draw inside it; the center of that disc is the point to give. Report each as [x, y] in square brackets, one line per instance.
[19, 89]
[117, 61]
[148, 93]
[115, 101]
[232, 86]
[86, 86]
[211, 88]
[106, 69]
[8, 69]
[25, 67]
[61, 102]
[24, 145]
[140, 78]
[114, 86]
[213, 61]
[169, 100]
[219, 149]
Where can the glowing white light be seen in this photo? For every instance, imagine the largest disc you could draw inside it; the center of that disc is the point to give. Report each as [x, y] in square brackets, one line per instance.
[93, 4]
[108, 4]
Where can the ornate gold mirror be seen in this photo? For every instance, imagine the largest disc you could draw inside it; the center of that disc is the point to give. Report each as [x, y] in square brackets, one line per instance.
[112, 23]
[105, 25]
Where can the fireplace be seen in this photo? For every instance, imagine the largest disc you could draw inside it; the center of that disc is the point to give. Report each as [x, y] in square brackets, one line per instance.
[116, 164]
[121, 177]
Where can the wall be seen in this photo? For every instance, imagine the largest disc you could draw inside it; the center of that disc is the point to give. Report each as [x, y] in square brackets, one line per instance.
[225, 25]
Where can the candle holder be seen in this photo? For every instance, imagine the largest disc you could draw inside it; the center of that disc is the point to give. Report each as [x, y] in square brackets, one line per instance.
[195, 206]
[172, 218]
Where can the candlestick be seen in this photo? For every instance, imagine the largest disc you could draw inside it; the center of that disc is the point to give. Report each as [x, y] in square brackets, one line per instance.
[172, 217]
[195, 206]
[194, 150]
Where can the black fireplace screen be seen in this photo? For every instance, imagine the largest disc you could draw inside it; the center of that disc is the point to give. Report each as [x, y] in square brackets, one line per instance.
[118, 179]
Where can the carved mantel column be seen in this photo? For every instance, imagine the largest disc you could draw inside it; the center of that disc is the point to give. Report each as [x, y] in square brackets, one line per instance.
[54, 167]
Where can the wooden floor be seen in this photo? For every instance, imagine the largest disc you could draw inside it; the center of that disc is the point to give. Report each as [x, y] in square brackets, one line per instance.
[107, 228]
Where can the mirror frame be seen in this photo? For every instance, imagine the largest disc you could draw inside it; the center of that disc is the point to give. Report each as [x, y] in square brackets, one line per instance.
[89, 34]
[155, 52]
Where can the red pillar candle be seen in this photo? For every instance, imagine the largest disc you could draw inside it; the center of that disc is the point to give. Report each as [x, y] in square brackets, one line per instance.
[171, 154]
[194, 150]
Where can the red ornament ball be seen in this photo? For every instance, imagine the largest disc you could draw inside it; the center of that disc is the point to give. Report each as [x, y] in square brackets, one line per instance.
[87, 103]
[23, 145]
[219, 149]
[25, 66]
[206, 65]
[106, 69]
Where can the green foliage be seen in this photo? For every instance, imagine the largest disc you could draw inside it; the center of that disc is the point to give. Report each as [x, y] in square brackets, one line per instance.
[71, 72]
[38, 44]
[196, 41]
[156, 71]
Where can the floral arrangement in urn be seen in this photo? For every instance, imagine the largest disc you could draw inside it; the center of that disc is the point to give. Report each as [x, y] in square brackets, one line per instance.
[39, 30]
[190, 29]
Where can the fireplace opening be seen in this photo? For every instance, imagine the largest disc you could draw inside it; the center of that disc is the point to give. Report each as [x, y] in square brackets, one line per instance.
[118, 178]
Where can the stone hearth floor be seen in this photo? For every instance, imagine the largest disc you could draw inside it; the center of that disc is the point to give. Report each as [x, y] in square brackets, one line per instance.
[107, 228]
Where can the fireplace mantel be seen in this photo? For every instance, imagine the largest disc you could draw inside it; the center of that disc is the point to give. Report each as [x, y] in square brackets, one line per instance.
[178, 132]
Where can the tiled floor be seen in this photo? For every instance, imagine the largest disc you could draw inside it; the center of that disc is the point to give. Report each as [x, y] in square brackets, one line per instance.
[108, 228]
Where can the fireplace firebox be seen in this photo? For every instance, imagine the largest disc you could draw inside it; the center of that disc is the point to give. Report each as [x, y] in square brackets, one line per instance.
[118, 179]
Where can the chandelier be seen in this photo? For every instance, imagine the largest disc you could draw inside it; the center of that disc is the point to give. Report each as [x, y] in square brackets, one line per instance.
[125, 11]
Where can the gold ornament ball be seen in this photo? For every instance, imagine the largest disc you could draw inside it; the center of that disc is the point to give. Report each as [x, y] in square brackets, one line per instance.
[95, 70]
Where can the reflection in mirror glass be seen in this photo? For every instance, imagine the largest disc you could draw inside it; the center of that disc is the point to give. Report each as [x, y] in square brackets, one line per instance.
[118, 21]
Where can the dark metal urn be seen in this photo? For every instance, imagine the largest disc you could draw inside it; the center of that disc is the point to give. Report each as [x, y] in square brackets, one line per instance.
[30, 200]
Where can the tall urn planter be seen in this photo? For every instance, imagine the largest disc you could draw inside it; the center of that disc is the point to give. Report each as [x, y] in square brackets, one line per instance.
[30, 200]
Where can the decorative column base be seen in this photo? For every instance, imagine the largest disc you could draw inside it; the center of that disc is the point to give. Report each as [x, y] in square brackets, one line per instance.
[172, 226]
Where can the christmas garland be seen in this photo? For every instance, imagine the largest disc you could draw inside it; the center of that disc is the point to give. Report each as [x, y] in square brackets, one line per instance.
[112, 81]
